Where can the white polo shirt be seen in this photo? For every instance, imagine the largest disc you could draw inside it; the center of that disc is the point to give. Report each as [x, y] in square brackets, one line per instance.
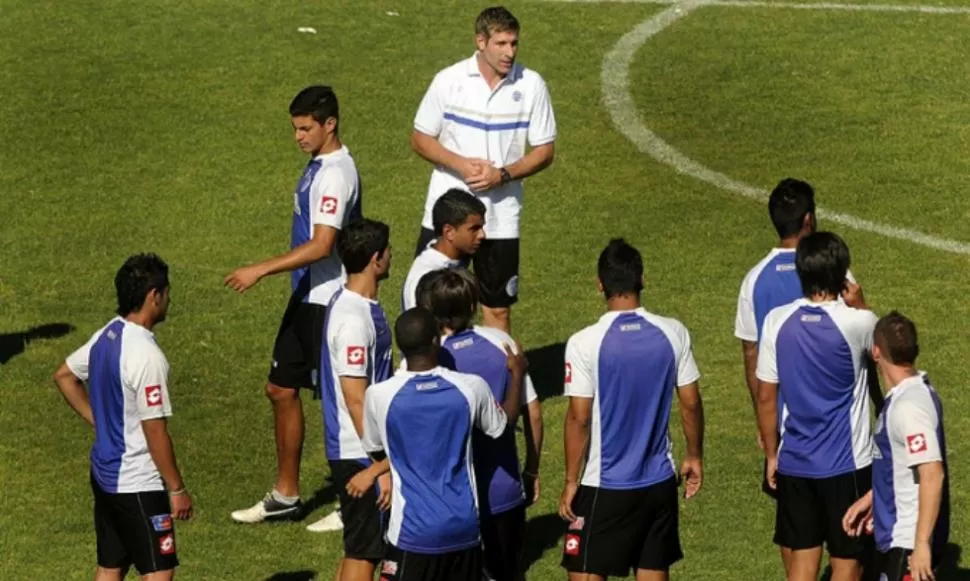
[472, 120]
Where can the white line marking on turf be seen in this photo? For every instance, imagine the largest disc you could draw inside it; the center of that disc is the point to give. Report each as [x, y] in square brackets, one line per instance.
[795, 5]
[623, 111]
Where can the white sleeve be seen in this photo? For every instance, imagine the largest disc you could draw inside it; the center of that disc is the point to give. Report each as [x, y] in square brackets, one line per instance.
[868, 330]
[331, 197]
[578, 381]
[529, 394]
[409, 300]
[489, 415]
[542, 120]
[767, 369]
[350, 344]
[77, 362]
[745, 324]
[371, 440]
[687, 372]
[914, 426]
[147, 375]
[431, 111]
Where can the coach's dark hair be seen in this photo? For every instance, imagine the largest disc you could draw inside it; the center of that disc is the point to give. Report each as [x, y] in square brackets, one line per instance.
[495, 19]
[822, 261]
[317, 101]
[896, 337]
[789, 203]
[453, 208]
[620, 269]
[451, 295]
[416, 331]
[359, 241]
[138, 276]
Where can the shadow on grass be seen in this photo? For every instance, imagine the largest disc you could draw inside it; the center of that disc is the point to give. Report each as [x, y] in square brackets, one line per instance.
[306, 575]
[325, 495]
[546, 365]
[13, 344]
[948, 570]
[541, 534]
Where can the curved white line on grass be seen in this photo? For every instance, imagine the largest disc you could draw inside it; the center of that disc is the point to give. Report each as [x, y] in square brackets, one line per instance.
[926, 9]
[619, 103]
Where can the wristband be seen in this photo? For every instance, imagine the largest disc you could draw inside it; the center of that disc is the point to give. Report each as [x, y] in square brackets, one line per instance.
[180, 492]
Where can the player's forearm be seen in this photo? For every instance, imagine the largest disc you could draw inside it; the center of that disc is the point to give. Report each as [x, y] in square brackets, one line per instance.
[534, 429]
[162, 452]
[533, 162]
[303, 255]
[930, 495]
[768, 416]
[749, 351]
[692, 420]
[430, 149]
[512, 406]
[380, 467]
[576, 437]
[74, 393]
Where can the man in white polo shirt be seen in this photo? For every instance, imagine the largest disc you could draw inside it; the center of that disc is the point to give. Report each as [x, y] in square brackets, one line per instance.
[474, 124]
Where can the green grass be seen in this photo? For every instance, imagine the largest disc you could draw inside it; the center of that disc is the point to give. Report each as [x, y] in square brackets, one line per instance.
[163, 127]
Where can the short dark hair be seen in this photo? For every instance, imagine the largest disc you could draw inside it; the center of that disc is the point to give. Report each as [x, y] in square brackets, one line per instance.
[416, 331]
[137, 277]
[822, 261]
[620, 269]
[451, 294]
[359, 241]
[317, 101]
[896, 337]
[495, 19]
[789, 203]
[453, 208]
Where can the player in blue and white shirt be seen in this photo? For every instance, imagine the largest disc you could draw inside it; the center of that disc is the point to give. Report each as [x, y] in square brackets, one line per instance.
[452, 296]
[814, 357]
[133, 467]
[622, 374]
[421, 422]
[356, 354]
[327, 198]
[910, 500]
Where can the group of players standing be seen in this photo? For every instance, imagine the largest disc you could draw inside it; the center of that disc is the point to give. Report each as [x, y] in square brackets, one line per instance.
[425, 458]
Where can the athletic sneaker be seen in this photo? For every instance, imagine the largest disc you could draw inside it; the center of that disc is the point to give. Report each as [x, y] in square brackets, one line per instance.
[330, 523]
[269, 509]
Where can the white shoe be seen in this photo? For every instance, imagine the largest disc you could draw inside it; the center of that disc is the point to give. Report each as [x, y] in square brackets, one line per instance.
[268, 509]
[330, 523]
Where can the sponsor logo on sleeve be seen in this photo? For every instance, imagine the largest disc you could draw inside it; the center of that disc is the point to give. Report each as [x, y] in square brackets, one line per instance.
[569, 372]
[328, 205]
[916, 443]
[153, 395]
[166, 544]
[572, 545]
[356, 355]
[162, 522]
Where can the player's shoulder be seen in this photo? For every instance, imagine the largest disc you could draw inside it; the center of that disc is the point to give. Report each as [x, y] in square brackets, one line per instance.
[528, 76]
[852, 316]
[782, 313]
[463, 381]
[589, 337]
[451, 73]
[495, 336]
[755, 271]
[917, 392]
[140, 346]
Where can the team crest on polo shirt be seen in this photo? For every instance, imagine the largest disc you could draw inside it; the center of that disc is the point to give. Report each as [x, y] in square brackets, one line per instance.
[517, 96]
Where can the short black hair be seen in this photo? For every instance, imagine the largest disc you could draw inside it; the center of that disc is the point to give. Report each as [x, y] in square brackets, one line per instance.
[359, 241]
[896, 337]
[451, 294]
[789, 203]
[822, 261]
[317, 101]
[620, 269]
[453, 208]
[137, 277]
[495, 19]
[416, 331]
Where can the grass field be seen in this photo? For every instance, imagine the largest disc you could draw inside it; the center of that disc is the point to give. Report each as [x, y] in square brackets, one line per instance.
[162, 126]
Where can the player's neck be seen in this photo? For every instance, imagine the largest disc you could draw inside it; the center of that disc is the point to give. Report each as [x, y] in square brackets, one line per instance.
[822, 297]
[448, 249]
[896, 374]
[491, 76]
[789, 243]
[329, 146]
[363, 284]
[141, 318]
[624, 302]
[421, 363]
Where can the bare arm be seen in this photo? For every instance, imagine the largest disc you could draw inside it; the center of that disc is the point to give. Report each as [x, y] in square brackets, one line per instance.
[576, 435]
[162, 452]
[533, 428]
[749, 350]
[768, 416]
[317, 248]
[692, 419]
[533, 162]
[931, 478]
[353, 389]
[74, 392]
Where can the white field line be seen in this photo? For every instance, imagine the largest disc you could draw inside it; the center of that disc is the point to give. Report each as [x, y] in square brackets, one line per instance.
[623, 111]
[926, 9]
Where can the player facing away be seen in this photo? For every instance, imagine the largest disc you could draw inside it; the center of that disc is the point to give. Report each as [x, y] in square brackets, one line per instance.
[813, 357]
[137, 486]
[459, 228]
[421, 422]
[474, 124]
[356, 355]
[909, 505]
[621, 377]
[326, 199]
[452, 296]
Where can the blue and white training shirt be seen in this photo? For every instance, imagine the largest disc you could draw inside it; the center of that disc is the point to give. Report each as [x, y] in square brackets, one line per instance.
[816, 353]
[429, 260]
[630, 363]
[909, 432]
[127, 379]
[424, 422]
[357, 343]
[480, 351]
[328, 194]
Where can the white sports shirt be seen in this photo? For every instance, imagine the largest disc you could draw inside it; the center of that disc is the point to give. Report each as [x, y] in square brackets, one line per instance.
[429, 260]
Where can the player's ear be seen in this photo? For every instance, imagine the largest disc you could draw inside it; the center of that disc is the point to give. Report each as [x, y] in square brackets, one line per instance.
[599, 286]
[480, 41]
[876, 353]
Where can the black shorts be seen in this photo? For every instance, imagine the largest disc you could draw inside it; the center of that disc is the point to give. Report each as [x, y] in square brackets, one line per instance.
[619, 530]
[894, 565]
[134, 529]
[465, 565]
[503, 540]
[364, 523]
[296, 352]
[810, 512]
[496, 266]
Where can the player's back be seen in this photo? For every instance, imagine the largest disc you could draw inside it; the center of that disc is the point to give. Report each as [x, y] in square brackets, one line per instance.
[429, 260]
[820, 351]
[772, 282]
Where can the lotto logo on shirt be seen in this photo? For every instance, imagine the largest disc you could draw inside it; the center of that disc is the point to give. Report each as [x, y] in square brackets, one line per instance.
[569, 372]
[572, 545]
[166, 544]
[916, 443]
[328, 205]
[355, 355]
[153, 395]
